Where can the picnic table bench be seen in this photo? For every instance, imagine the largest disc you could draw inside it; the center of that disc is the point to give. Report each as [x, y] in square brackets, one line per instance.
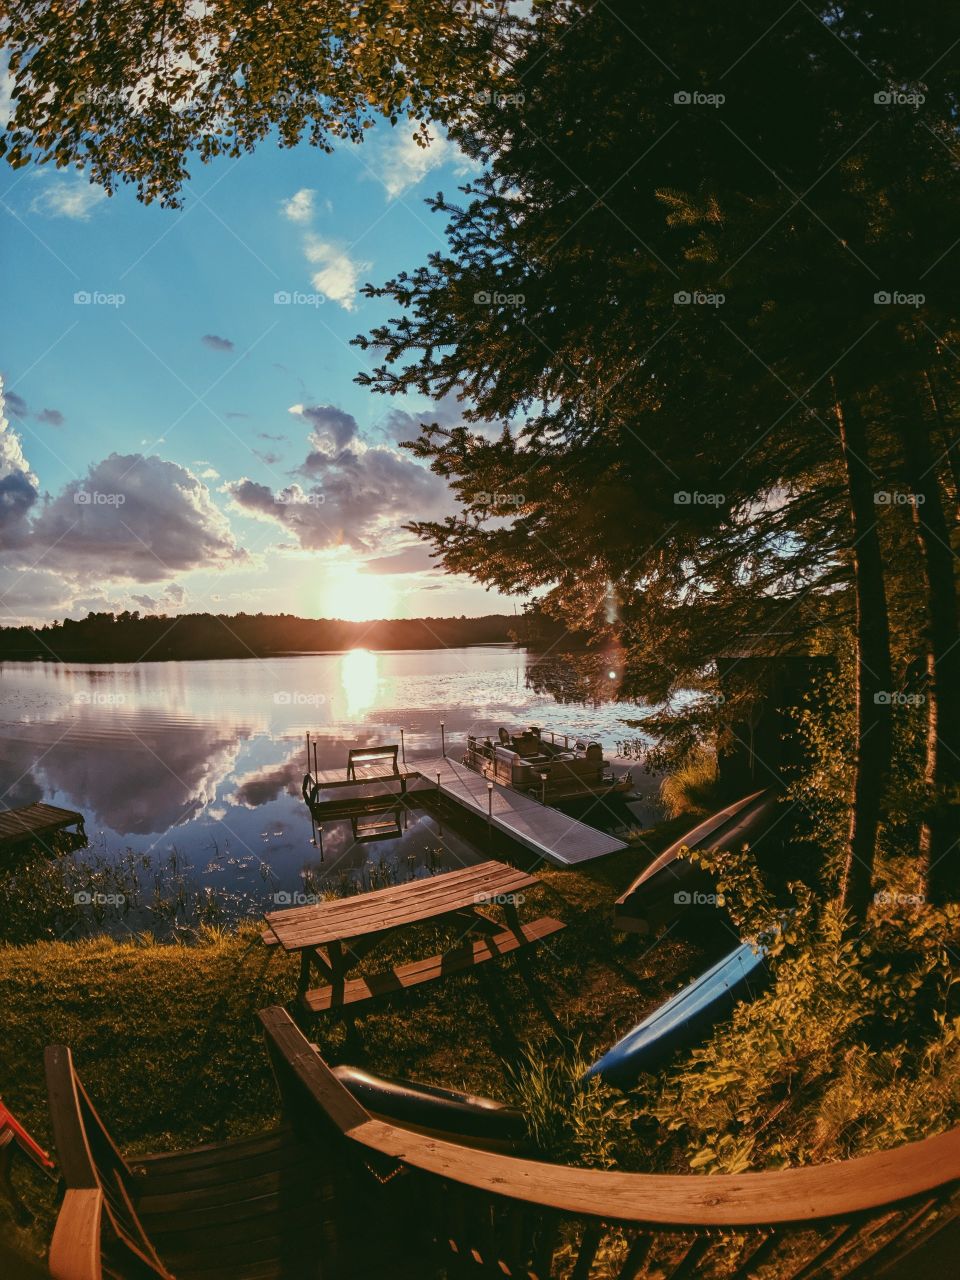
[332, 937]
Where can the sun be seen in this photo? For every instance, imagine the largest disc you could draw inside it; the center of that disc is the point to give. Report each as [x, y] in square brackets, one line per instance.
[355, 596]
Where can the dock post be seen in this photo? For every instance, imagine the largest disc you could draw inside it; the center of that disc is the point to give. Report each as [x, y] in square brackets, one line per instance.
[443, 740]
[489, 802]
[403, 749]
[308, 751]
[316, 771]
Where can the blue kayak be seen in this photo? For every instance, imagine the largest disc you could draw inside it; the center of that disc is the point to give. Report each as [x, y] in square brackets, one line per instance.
[684, 1016]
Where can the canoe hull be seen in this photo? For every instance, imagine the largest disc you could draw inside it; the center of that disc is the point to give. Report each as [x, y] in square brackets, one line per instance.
[684, 1018]
[672, 883]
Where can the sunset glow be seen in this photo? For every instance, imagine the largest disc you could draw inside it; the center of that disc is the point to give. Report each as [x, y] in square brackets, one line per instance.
[359, 597]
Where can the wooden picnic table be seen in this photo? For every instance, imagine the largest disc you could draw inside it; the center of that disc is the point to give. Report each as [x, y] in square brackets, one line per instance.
[332, 937]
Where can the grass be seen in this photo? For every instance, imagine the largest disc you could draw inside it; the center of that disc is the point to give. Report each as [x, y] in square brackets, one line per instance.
[693, 789]
[166, 1039]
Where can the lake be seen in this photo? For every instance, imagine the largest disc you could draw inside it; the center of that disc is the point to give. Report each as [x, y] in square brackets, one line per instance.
[199, 764]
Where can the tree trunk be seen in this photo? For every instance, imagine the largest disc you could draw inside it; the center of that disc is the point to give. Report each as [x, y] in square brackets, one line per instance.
[950, 443]
[874, 677]
[940, 832]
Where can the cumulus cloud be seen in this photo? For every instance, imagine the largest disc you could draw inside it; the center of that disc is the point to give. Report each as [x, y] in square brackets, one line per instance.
[351, 494]
[18, 484]
[216, 343]
[134, 518]
[299, 208]
[332, 427]
[337, 275]
[68, 198]
[400, 162]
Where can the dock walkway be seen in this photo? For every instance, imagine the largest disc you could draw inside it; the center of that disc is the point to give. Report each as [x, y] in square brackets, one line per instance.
[34, 821]
[548, 832]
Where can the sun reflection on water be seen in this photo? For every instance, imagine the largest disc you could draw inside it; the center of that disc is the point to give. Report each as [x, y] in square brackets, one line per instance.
[359, 676]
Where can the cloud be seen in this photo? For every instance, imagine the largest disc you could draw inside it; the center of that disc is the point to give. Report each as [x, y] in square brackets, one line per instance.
[19, 486]
[352, 494]
[134, 518]
[400, 162]
[7, 103]
[267, 457]
[18, 407]
[299, 208]
[215, 343]
[331, 426]
[32, 594]
[412, 559]
[337, 274]
[145, 602]
[265, 435]
[68, 198]
[16, 404]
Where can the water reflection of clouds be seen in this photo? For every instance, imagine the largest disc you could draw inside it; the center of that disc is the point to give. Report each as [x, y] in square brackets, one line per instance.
[208, 757]
[143, 782]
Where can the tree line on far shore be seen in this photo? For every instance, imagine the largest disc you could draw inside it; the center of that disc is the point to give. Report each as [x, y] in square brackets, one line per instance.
[131, 637]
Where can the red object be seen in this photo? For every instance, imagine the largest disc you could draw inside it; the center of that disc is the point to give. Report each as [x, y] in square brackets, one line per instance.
[9, 1124]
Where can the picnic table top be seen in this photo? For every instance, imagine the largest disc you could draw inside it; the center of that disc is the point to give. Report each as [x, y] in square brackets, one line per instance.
[299, 928]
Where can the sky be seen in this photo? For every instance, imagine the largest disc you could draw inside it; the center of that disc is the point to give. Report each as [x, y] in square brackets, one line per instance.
[182, 430]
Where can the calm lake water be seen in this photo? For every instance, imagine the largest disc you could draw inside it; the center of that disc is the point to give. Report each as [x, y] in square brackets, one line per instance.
[203, 761]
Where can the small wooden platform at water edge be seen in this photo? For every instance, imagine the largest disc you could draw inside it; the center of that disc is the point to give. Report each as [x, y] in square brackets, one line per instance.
[35, 821]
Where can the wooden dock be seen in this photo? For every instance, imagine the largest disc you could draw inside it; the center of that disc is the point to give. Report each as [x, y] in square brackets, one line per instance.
[35, 821]
[548, 832]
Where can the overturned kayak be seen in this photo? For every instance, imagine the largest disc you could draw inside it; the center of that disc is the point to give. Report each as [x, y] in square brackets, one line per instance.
[469, 1119]
[685, 1016]
[672, 882]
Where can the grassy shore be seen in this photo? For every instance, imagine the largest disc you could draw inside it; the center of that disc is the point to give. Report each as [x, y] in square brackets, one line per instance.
[166, 1039]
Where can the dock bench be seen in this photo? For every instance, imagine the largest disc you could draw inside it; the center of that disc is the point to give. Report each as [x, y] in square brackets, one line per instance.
[363, 762]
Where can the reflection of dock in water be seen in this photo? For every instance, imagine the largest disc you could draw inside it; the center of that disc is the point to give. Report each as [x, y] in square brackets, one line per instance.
[378, 780]
[37, 823]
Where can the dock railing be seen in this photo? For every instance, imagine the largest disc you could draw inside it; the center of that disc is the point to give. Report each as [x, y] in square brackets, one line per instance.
[480, 1213]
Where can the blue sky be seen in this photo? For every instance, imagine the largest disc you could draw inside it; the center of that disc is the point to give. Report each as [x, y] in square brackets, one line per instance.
[177, 438]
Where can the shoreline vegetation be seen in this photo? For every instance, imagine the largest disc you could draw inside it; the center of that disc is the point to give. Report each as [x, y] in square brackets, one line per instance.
[131, 637]
[786, 1081]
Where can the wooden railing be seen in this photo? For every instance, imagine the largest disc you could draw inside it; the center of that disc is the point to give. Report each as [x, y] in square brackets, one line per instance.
[477, 1213]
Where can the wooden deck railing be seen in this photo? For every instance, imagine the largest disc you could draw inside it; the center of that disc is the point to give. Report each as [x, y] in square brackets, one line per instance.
[478, 1213]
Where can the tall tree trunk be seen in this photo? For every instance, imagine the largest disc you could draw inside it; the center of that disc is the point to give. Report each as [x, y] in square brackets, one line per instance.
[951, 445]
[874, 677]
[940, 831]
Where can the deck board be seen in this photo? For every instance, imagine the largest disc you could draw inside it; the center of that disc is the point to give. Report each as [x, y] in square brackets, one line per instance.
[36, 820]
[547, 831]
